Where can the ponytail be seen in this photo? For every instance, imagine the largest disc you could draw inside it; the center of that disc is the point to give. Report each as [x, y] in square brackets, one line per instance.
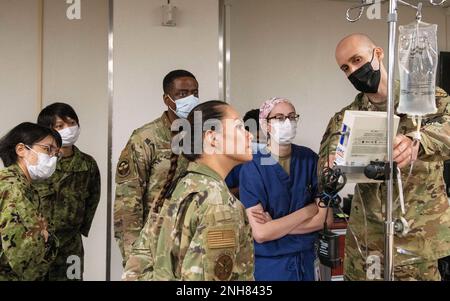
[172, 170]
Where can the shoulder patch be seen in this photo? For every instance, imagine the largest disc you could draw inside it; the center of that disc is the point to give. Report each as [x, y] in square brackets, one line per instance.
[123, 168]
[221, 239]
[223, 267]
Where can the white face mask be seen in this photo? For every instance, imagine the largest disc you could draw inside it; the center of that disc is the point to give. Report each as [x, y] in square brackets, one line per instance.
[184, 105]
[283, 133]
[44, 168]
[70, 135]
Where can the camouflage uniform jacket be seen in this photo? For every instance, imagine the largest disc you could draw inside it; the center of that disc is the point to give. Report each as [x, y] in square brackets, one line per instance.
[70, 197]
[69, 200]
[141, 173]
[27, 246]
[204, 234]
[427, 206]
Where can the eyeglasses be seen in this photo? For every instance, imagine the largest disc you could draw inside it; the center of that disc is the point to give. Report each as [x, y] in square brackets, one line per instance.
[51, 150]
[282, 118]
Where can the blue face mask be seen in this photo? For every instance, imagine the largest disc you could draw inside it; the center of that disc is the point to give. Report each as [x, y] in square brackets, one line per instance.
[258, 147]
[184, 105]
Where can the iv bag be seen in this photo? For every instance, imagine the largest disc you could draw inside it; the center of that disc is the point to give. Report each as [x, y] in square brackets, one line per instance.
[418, 59]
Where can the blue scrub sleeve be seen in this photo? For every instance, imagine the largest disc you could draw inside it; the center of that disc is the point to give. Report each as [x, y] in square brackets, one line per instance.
[251, 186]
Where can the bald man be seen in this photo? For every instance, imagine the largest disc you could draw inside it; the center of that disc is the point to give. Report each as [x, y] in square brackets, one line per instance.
[427, 207]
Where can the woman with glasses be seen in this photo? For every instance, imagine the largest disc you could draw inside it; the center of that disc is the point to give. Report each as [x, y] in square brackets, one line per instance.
[279, 190]
[70, 197]
[27, 243]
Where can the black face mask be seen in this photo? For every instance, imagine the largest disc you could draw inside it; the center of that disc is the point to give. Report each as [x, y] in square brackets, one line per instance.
[365, 79]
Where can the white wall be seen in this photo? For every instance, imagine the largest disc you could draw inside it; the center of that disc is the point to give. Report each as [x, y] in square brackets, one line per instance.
[75, 71]
[19, 62]
[145, 52]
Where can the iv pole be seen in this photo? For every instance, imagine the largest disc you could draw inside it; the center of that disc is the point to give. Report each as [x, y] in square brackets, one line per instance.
[389, 223]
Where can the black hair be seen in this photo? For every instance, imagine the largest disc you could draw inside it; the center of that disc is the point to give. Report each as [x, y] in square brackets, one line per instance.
[252, 115]
[210, 111]
[48, 115]
[27, 133]
[172, 76]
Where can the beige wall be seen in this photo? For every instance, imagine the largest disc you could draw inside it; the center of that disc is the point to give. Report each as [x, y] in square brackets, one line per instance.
[75, 72]
[145, 52]
[447, 13]
[19, 62]
[286, 48]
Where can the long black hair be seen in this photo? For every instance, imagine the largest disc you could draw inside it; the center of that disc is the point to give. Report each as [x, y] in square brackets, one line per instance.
[48, 115]
[26, 133]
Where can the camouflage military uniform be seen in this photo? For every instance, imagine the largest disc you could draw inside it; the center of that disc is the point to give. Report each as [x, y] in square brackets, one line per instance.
[204, 234]
[427, 207]
[141, 173]
[69, 200]
[27, 246]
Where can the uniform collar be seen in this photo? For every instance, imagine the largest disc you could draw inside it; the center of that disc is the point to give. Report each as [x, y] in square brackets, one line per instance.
[77, 164]
[366, 104]
[166, 127]
[15, 168]
[204, 170]
[165, 120]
